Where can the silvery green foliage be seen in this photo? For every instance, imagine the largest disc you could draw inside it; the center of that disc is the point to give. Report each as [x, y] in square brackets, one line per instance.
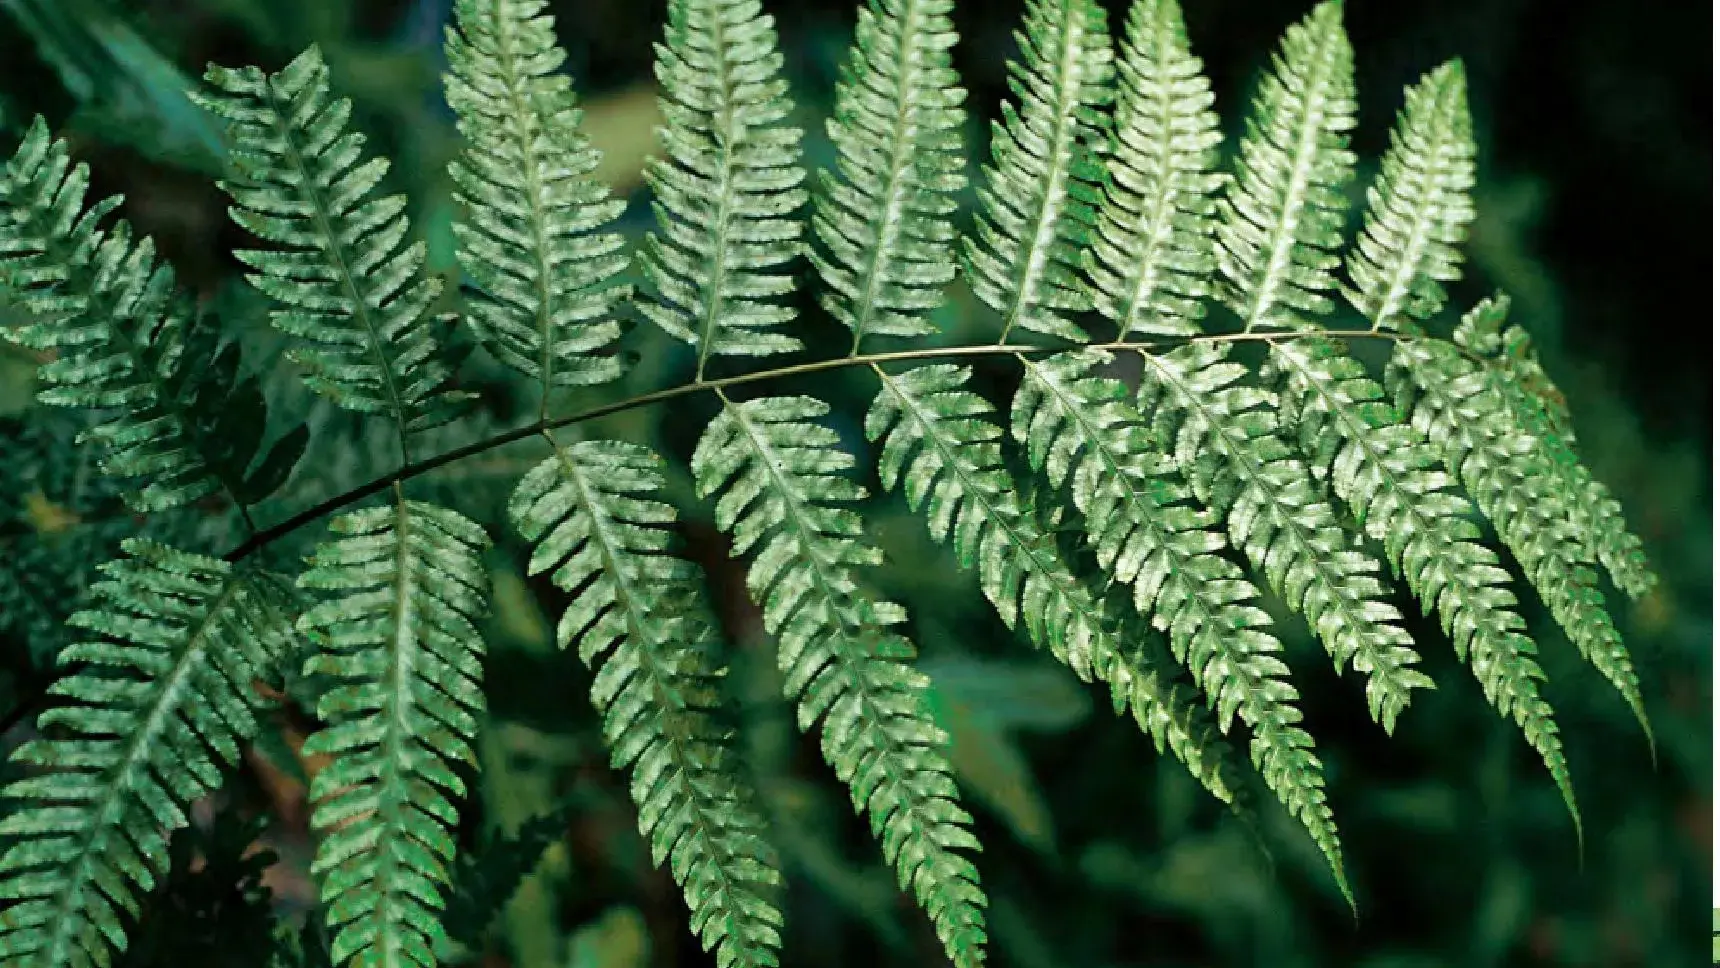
[1131, 525]
[883, 214]
[1040, 192]
[398, 590]
[777, 478]
[177, 424]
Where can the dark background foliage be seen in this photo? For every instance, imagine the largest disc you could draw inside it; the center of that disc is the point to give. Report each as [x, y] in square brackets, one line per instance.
[1593, 120]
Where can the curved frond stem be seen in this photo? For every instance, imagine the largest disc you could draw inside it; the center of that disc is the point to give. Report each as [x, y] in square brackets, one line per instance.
[427, 465]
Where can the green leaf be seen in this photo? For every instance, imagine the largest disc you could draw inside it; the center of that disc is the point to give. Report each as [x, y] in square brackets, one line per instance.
[1041, 188]
[1152, 256]
[344, 280]
[728, 187]
[1282, 217]
[402, 585]
[161, 700]
[776, 475]
[529, 232]
[600, 529]
[884, 214]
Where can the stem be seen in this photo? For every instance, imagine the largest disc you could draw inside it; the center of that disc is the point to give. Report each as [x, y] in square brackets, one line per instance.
[418, 468]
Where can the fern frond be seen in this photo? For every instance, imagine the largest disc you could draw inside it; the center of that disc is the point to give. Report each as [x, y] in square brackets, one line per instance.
[1152, 255]
[345, 281]
[161, 704]
[777, 478]
[176, 423]
[940, 446]
[1282, 217]
[1453, 401]
[402, 584]
[597, 524]
[1223, 435]
[1037, 204]
[1392, 481]
[1540, 410]
[884, 214]
[730, 184]
[530, 234]
[1418, 209]
[1082, 433]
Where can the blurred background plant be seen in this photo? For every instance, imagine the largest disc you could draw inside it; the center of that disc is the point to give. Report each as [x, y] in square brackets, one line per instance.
[1593, 122]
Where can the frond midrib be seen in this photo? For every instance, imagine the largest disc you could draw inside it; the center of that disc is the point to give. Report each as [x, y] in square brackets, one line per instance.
[525, 119]
[724, 134]
[135, 757]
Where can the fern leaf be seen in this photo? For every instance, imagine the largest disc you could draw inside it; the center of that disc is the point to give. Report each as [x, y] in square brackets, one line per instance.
[162, 701]
[1419, 208]
[1282, 217]
[345, 281]
[532, 214]
[1223, 436]
[884, 215]
[1452, 400]
[1037, 203]
[940, 446]
[1594, 513]
[177, 423]
[1080, 432]
[402, 584]
[780, 493]
[729, 186]
[1391, 479]
[1152, 254]
[592, 513]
